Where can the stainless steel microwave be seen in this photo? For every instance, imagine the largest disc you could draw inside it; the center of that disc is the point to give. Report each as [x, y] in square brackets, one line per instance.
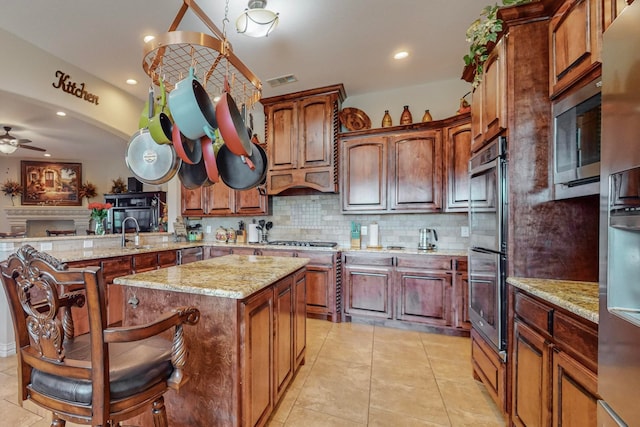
[576, 142]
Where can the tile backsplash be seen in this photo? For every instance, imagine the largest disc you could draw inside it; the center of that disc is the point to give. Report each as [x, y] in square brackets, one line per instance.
[318, 217]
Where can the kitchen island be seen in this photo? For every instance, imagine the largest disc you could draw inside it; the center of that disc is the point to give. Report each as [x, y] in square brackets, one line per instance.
[250, 340]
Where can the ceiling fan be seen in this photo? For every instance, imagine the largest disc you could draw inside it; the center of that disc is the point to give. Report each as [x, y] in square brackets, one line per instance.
[9, 143]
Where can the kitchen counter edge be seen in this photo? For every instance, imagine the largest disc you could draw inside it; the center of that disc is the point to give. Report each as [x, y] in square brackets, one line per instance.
[580, 298]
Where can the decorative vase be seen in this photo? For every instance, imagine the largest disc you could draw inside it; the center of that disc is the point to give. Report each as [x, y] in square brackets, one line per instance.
[405, 117]
[386, 119]
[427, 116]
[99, 228]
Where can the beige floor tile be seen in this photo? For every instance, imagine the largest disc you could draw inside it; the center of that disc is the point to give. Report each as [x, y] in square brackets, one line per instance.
[15, 416]
[401, 372]
[467, 419]
[337, 388]
[8, 365]
[360, 353]
[309, 418]
[381, 418]
[424, 403]
[454, 369]
[9, 388]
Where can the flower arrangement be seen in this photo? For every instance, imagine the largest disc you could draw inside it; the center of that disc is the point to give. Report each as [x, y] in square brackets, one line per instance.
[99, 210]
[11, 188]
[87, 190]
[118, 186]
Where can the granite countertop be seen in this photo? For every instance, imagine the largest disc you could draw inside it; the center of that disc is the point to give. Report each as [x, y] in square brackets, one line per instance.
[580, 298]
[229, 276]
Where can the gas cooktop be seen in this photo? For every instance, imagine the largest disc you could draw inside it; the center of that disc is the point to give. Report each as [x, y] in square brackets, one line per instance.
[304, 243]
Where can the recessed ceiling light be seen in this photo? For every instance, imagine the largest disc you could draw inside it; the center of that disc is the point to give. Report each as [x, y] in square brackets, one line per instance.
[47, 155]
[132, 82]
[147, 39]
[61, 113]
[401, 55]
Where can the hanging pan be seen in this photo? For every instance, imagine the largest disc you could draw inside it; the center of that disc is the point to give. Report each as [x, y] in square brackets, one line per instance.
[160, 121]
[190, 151]
[235, 173]
[231, 125]
[192, 176]
[150, 162]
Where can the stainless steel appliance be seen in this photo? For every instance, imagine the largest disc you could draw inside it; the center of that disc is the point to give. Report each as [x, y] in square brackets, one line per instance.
[488, 243]
[314, 244]
[619, 322]
[144, 207]
[428, 239]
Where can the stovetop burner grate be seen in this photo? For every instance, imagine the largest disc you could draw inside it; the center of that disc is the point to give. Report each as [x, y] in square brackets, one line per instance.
[304, 243]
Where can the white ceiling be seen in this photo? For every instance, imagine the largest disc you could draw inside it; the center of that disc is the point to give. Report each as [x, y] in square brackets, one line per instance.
[321, 42]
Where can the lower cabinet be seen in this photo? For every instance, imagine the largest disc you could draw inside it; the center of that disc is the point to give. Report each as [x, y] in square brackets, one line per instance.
[489, 368]
[553, 362]
[411, 289]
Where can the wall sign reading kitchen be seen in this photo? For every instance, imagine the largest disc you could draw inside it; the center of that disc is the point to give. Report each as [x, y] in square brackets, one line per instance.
[72, 88]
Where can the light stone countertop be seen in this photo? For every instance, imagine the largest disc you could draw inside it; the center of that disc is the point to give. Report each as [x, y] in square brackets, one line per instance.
[229, 276]
[580, 298]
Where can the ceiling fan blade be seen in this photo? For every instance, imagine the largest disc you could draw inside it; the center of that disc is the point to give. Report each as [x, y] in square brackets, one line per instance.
[28, 147]
[22, 141]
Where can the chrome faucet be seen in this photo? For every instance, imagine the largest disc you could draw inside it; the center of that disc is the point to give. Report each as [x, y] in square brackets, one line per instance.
[124, 239]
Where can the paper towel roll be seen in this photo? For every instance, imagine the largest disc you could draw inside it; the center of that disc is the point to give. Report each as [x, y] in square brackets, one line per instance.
[373, 234]
[253, 235]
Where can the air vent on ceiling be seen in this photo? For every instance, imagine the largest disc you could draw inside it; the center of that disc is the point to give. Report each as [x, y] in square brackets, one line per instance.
[279, 81]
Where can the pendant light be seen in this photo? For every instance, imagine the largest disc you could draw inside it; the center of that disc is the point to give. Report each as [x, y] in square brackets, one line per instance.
[256, 21]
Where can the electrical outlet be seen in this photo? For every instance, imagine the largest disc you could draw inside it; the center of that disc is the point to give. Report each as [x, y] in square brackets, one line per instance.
[464, 231]
[87, 244]
[208, 229]
[46, 246]
[165, 239]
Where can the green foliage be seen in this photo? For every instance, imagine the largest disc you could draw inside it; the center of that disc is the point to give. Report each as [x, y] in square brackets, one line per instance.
[483, 31]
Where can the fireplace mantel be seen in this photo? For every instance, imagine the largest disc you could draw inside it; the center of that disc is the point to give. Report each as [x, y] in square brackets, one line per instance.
[19, 215]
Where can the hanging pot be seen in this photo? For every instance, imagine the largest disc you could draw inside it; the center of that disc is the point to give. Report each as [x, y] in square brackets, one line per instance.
[192, 108]
[151, 163]
[231, 125]
[192, 176]
[209, 155]
[235, 173]
[188, 150]
[159, 121]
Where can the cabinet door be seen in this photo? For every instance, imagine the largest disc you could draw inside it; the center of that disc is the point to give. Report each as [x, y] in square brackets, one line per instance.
[216, 251]
[610, 11]
[364, 174]
[457, 154]
[476, 119]
[193, 202]
[575, 34]
[220, 200]
[282, 131]
[320, 295]
[144, 262]
[257, 358]
[531, 377]
[112, 268]
[462, 297]
[300, 315]
[251, 202]
[284, 334]
[424, 296]
[415, 172]
[575, 393]
[368, 291]
[494, 96]
[167, 258]
[315, 131]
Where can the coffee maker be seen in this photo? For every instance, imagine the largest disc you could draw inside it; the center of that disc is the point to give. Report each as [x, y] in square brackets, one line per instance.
[428, 237]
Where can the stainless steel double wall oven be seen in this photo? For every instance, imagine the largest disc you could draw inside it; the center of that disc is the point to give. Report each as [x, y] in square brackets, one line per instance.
[488, 243]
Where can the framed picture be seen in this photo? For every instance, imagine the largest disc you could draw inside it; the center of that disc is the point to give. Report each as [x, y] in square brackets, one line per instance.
[51, 183]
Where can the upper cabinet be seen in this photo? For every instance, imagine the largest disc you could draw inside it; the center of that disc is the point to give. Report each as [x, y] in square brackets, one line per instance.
[489, 100]
[402, 169]
[575, 38]
[301, 130]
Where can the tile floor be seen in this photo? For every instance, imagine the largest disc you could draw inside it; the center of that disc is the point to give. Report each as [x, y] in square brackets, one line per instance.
[355, 375]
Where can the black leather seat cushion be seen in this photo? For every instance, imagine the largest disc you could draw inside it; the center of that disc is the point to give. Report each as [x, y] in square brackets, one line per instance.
[134, 367]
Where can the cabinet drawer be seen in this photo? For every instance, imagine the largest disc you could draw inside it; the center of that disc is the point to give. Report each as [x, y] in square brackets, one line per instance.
[462, 264]
[427, 262]
[167, 258]
[115, 267]
[534, 313]
[217, 251]
[368, 260]
[274, 252]
[577, 339]
[145, 262]
[317, 258]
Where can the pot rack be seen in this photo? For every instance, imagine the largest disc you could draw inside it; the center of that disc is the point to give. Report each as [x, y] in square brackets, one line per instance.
[169, 56]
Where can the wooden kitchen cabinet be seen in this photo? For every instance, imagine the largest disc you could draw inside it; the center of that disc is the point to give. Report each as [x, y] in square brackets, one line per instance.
[575, 42]
[554, 364]
[457, 151]
[368, 284]
[489, 100]
[284, 349]
[301, 131]
[393, 171]
[405, 290]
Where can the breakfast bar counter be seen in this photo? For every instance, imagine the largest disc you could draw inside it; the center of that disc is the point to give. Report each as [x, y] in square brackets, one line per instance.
[249, 343]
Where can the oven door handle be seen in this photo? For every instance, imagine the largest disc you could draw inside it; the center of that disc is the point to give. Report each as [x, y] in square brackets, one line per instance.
[483, 251]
